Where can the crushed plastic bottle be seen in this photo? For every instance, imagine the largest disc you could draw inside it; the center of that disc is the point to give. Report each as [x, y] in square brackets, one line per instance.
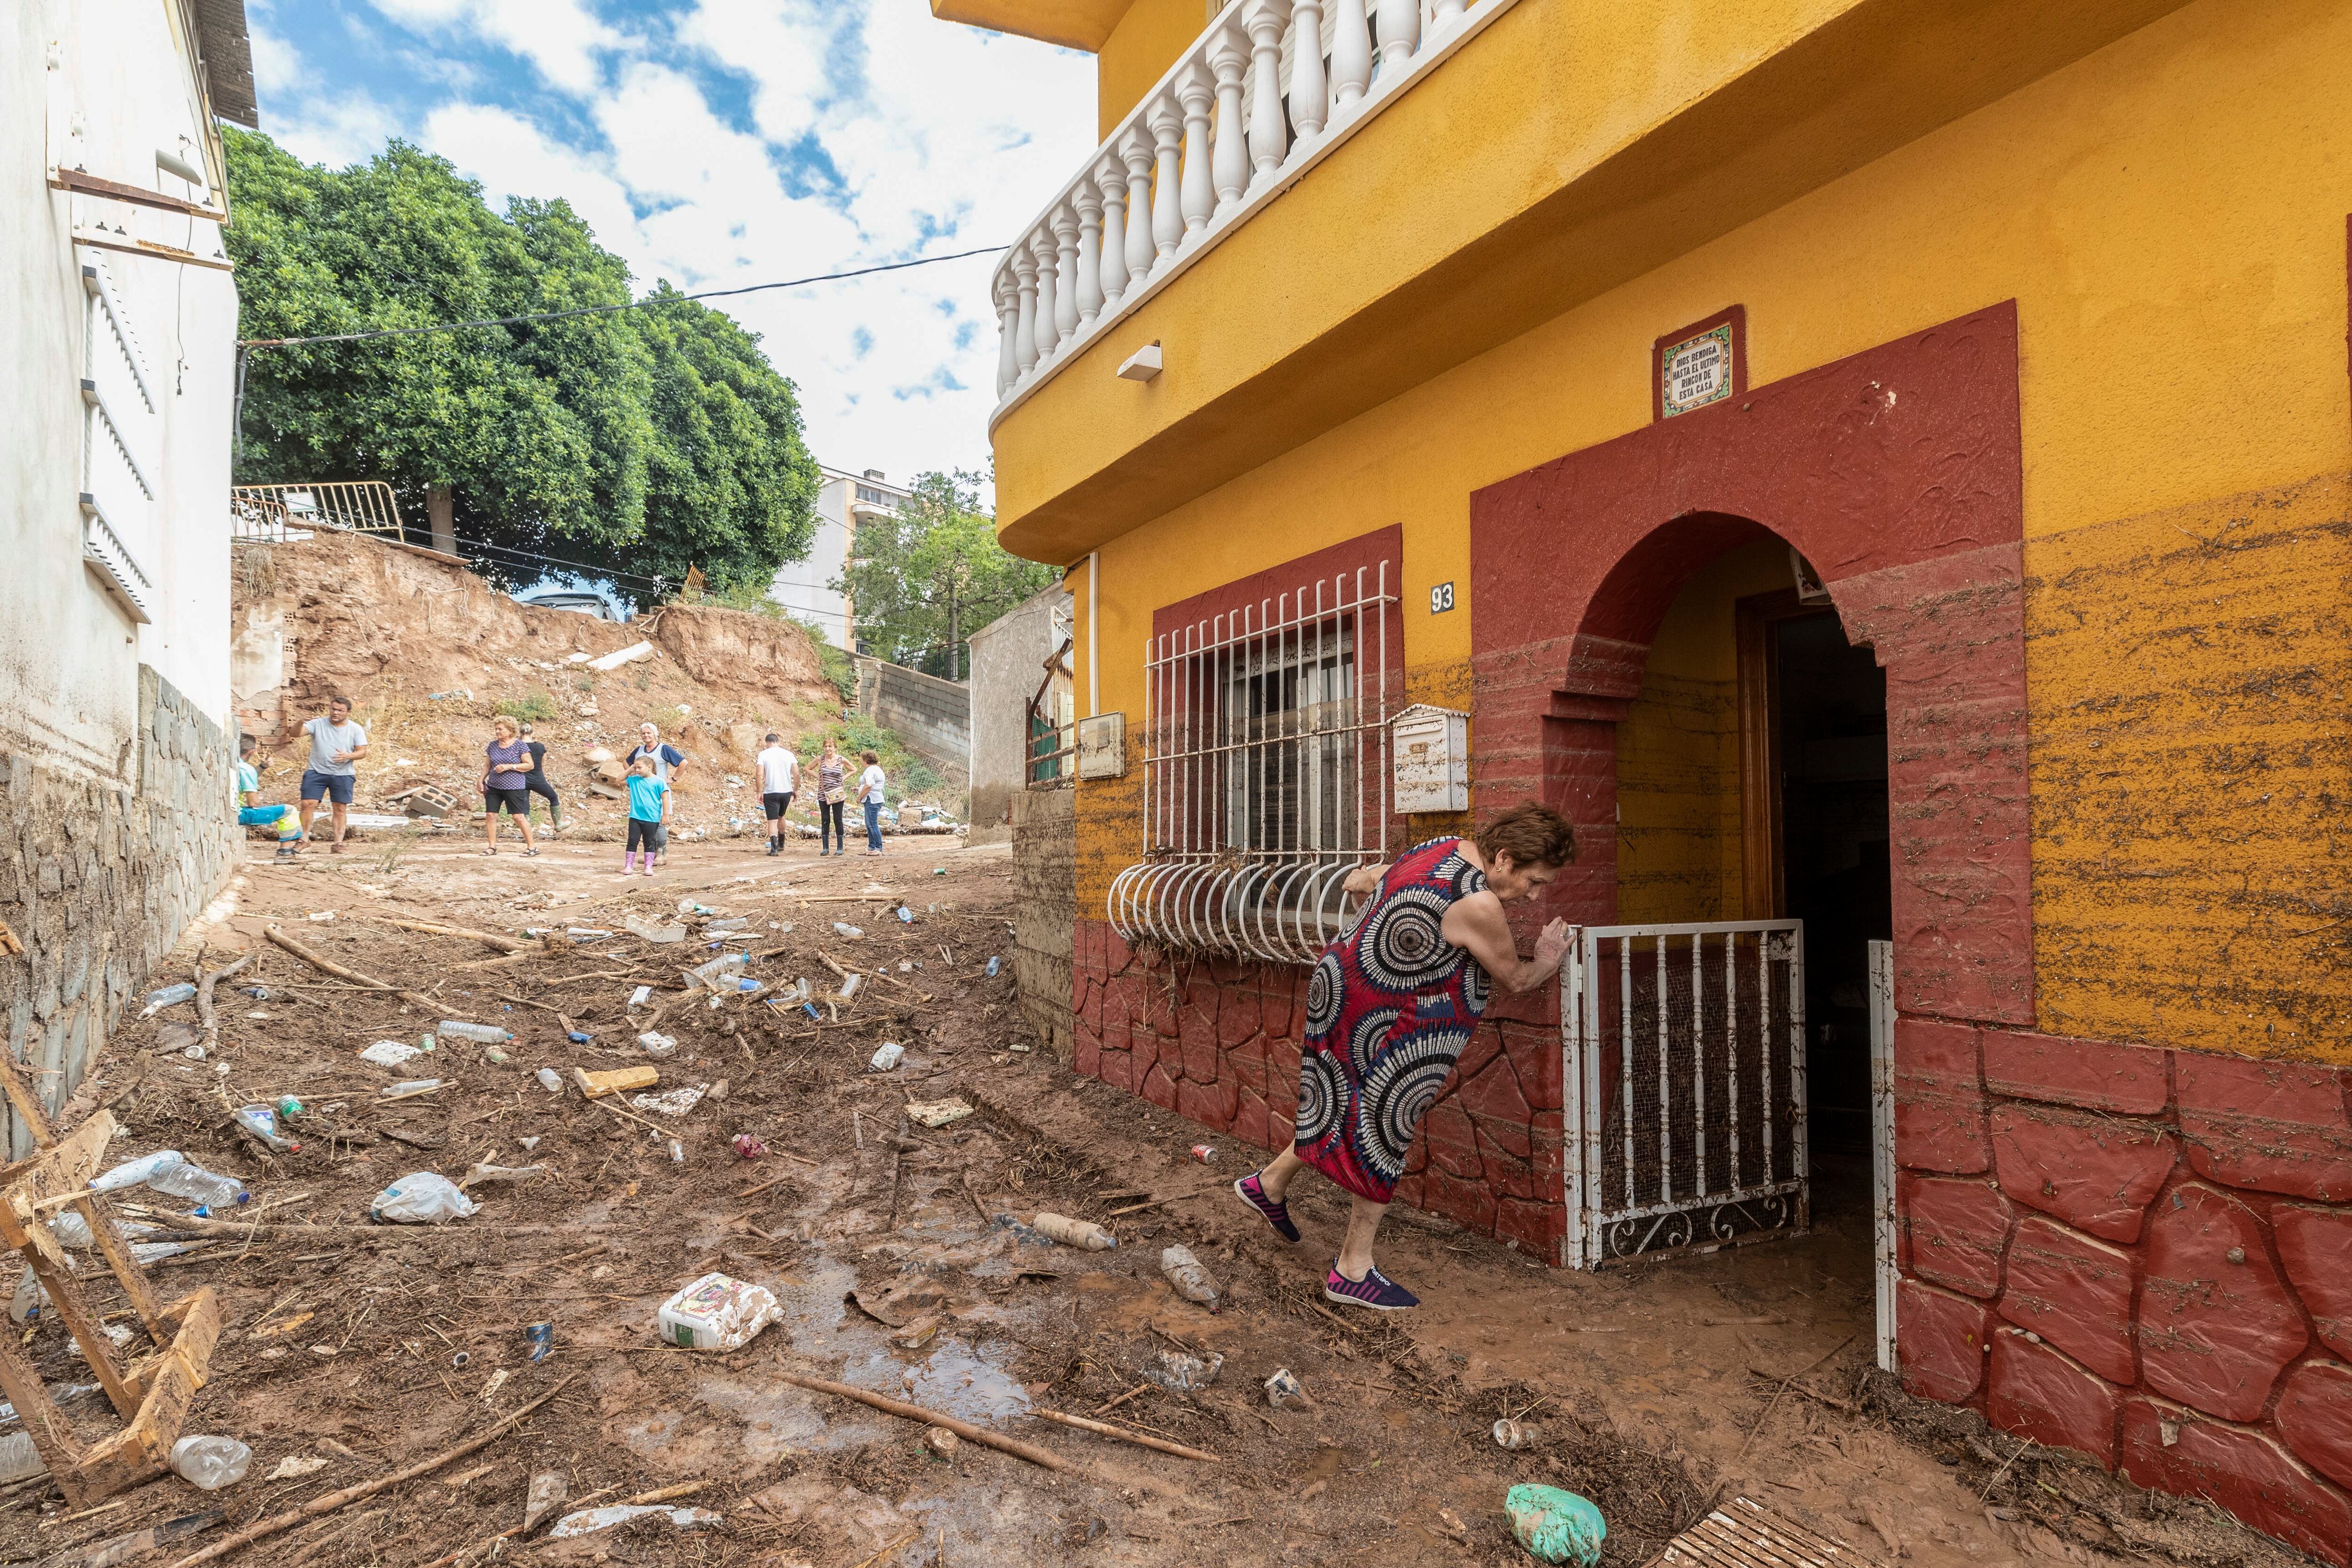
[1555, 1526]
[289, 1108]
[1183, 1374]
[408, 1088]
[676, 1152]
[261, 1122]
[1192, 1281]
[485, 1034]
[19, 1460]
[135, 1173]
[170, 996]
[551, 1080]
[1070, 1232]
[843, 928]
[991, 967]
[719, 969]
[214, 1191]
[209, 1464]
[422, 1198]
[906, 915]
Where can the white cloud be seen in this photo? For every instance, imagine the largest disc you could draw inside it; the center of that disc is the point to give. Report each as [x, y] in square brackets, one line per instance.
[783, 44]
[561, 37]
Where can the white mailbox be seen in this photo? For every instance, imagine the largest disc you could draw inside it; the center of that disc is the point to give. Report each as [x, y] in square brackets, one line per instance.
[1102, 746]
[1430, 748]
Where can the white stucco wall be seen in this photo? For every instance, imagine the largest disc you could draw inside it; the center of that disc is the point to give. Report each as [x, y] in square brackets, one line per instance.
[101, 85]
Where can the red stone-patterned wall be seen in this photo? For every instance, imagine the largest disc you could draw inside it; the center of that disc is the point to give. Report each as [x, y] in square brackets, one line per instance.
[2142, 1255]
[1217, 1042]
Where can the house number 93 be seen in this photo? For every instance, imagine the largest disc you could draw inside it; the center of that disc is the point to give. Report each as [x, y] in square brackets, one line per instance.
[1441, 598]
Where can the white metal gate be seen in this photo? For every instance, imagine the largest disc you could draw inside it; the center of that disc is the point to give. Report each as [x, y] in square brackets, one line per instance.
[1685, 1079]
[1882, 1143]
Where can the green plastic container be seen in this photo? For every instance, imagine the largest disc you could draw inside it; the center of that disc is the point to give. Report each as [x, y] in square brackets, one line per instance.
[1555, 1526]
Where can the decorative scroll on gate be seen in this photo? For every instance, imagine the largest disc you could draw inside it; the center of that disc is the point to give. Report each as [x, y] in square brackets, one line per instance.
[1684, 1073]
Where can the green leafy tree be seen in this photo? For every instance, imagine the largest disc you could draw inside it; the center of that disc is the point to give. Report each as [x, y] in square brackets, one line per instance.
[640, 441]
[920, 582]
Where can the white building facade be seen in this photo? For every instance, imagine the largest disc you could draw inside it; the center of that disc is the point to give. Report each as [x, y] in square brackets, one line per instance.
[801, 586]
[118, 342]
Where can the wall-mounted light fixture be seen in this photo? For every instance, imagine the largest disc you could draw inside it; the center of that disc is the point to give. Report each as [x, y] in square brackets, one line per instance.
[1142, 364]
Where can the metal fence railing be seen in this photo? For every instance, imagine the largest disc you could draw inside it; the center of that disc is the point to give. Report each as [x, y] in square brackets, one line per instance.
[273, 512]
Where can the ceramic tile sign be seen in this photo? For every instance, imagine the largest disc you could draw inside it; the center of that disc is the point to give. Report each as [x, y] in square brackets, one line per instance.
[1703, 363]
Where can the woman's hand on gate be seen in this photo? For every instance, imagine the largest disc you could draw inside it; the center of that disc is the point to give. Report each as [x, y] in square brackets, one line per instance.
[1551, 945]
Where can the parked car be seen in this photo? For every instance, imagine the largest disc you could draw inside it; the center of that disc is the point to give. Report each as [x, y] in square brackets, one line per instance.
[569, 599]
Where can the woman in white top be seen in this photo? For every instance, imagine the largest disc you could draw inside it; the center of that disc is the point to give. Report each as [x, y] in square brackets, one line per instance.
[869, 794]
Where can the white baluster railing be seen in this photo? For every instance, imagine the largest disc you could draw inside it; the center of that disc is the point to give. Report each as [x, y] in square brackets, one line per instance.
[1220, 135]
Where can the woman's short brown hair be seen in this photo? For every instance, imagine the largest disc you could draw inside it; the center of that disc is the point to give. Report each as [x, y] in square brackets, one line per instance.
[1530, 835]
[868, 758]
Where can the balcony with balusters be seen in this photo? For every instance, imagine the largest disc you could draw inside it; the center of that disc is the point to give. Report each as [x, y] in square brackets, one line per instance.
[1245, 113]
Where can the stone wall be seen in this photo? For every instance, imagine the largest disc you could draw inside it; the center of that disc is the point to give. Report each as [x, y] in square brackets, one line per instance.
[1008, 664]
[98, 879]
[1044, 886]
[932, 717]
[2142, 1255]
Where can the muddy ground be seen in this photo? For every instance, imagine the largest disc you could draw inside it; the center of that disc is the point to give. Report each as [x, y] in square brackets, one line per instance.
[1658, 1391]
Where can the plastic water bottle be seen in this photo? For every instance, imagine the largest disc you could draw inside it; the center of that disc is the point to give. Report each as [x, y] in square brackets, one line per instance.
[906, 915]
[843, 928]
[262, 1123]
[991, 967]
[549, 1080]
[19, 1460]
[135, 1173]
[170, 996]
[1192, 1281]
[1081, 1233]
[193, 1182]
[486, 1034]
[209, 1464]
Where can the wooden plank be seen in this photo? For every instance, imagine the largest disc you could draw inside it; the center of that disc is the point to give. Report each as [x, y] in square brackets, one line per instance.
[111, 1246]
[20, 1095]
[170, 1383]
[74, 1310]
[53, 1438]
[62, 1169]
[1749, 1535]
[199, 1316]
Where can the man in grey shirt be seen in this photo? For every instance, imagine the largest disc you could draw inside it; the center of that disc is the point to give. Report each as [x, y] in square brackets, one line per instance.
[336, 746]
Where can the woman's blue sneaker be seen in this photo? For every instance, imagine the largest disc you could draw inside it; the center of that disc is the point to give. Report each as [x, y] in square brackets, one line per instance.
[1375, 1291]
[1251, 1192]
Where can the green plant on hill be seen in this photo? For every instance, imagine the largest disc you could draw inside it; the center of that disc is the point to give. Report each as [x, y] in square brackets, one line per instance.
[537, 709]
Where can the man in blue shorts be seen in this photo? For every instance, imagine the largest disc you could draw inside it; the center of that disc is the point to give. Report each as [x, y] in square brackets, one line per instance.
[336, 746]
[250, 813]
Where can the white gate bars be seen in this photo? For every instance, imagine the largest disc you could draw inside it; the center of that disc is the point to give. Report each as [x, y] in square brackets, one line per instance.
[1684, 1076]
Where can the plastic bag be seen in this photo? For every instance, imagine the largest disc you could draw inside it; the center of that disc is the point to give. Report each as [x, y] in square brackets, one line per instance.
[422, 1198]
[1555, 1526]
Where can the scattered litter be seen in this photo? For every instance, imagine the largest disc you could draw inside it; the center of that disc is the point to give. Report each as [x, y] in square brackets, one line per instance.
[917, 1334]
[1192, 1281]
[483, 1034]
[483, 1175]
[843, 928]
[676, 1152]
[209, 1464]
[658, 1045]
[676, 1102]
[1515, 1435]
[170, 996]
[549, 1491]
[497, 1381]
[652, 932]
[937, 1112]
[991, 967]
[541, 1337]
[689, 907]
[747, 1147]
[1183, 1373]
[718, 1313]
[722, 928]
[1555, 1526]
[390, 1053]
[906, 915]
[891, 1054]
[261, 1122]
[551, 1080]
[409, 1088]
[135, 1173]
[495, 1056]
[1081, 1233]
[588, 1521]
[586, 933]
[1203, 1152]
[320, 916]
[620, 657]
[422, 1198]
[212, 1191]
[710, 974]
[849, 986]
[641, 996]
[1284, 1391]
[580, 1036]
[940, 1441]
[294, 1466]
[533, 1143]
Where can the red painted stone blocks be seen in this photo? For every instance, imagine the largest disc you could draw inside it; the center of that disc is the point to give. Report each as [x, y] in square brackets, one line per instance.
[1086, 1057]
[2094, 1074]
[2034, 1391]
[2216, 1323]
[1469, 1201]
[2249, 1473]
[1939, 1103]
[1158, 1087]
[1958, 1228]
[2075, 1292]
[2278, 1127]
[1237, 1020]
[1251, 1124]
[2094, 1173]
[1447, 1133]
[2316, 1245]
[2315, 1416]
[1198, 1033]
[1940, 1342]
[1205, 1103]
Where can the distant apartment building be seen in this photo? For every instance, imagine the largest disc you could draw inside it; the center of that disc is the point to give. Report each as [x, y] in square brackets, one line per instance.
[803, 587]
[118, 342]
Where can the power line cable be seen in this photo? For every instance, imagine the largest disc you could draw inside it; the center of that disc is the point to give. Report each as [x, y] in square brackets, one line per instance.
[650, 300]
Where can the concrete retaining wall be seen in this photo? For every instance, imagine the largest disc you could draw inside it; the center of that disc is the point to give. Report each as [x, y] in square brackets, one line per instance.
[932, 716]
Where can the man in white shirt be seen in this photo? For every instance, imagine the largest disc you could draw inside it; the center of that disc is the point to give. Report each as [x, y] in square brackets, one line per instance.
[779, 777]
[336, 746]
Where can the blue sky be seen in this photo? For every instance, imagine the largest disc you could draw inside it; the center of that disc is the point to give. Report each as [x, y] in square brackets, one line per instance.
[720, 142]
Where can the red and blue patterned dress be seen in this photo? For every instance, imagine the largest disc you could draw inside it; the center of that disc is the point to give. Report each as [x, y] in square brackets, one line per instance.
[1389, 1007]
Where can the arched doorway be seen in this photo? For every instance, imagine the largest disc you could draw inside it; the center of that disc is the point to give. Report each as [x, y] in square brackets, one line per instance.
[1895, 474]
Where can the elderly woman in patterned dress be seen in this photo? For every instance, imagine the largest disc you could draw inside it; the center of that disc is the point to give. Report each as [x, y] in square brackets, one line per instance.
[1391, 1007]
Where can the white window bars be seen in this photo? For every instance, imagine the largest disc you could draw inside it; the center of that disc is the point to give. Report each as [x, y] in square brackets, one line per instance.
[1265, 770]
[1683, 1058]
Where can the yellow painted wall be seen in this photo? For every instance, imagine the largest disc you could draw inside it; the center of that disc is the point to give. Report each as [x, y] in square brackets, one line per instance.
[1139, 52]
[1678, 855]
[2170, 215]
